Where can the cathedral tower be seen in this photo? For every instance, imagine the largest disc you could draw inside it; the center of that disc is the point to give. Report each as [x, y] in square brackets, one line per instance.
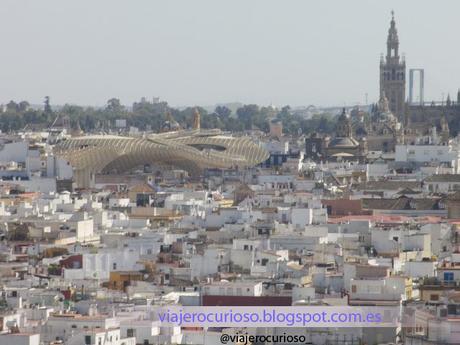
[393, 73]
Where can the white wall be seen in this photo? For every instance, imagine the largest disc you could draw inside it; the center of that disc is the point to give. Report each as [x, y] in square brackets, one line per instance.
[301, 217]
[207, 264]
[16, 152]
[383, 242]
[425, 153]
[420, 269]
[417, 242]
[63, 169]
[99, 266]
[85, 229]
[37, 184]
[233, 289]
[302, 293]
[20, 339]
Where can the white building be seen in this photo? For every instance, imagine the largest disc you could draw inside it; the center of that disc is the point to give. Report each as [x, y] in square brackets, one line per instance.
[224, 288]
[20, 339]
[438, 154]
[442, 183]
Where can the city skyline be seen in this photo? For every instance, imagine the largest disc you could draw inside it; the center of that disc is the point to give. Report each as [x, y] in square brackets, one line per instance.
[268, 53]
[229, 172]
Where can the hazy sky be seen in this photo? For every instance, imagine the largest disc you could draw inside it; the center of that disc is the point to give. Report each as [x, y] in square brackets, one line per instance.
[190, 52]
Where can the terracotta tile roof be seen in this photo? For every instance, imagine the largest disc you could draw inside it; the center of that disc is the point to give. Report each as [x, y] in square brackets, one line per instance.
[402, 203]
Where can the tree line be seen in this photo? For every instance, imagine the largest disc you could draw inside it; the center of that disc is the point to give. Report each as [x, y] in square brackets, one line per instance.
[152, 116]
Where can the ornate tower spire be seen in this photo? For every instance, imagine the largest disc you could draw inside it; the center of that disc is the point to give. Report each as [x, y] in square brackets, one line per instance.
[393, 40]
[393, 73]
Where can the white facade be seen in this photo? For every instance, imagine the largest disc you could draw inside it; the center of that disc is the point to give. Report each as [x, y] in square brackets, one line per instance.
[378, 289]
[420, 269]
[233, 289]
[98, 266]
[300, 217]
[208, 263]
[62, 326]
[20, 339]
[427, 154]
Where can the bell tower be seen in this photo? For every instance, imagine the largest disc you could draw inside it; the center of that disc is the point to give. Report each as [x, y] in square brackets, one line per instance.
[393, 73]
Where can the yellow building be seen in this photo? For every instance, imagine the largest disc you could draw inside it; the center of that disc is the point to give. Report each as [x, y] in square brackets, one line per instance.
[120, 280]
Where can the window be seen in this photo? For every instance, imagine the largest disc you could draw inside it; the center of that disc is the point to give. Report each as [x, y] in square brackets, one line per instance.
[114, 265]
[434, 297]
[130, 332]
[452, 309]
[449, 276]
[146, 342]
[353, 288]
[99, 341]
[87, 339]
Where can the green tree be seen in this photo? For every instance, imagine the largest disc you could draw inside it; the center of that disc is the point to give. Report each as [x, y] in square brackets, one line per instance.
[23, 106]
[12, 107]
[114, 105]
[246, 114]
[223, 112]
